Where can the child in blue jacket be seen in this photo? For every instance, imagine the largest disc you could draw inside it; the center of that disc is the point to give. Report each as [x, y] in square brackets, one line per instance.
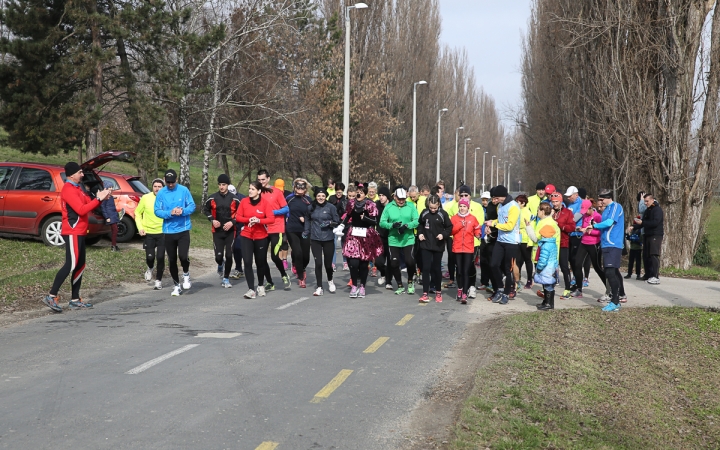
[111, 216]
[547, 266]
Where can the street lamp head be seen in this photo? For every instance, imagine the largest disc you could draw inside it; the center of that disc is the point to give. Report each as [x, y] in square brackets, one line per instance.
[359, 6]
[468, 139]
[444, 110]
[460, 128]
[487, 153]
[421, 82]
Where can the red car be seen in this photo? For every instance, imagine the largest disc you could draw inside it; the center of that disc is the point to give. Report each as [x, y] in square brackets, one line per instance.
[30, 198]
[127, 190]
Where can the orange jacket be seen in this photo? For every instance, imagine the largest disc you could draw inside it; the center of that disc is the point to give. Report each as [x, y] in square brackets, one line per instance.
[464, 231]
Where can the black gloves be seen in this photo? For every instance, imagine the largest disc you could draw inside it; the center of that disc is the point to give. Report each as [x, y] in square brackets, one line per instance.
[397, 224]
[402, 229]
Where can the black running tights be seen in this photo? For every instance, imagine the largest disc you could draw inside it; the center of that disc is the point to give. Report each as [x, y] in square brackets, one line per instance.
[258, 249]
[323, 254]
[358, 271]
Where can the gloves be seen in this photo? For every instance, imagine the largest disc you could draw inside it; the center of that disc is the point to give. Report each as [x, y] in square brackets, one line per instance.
[338, 231]
[325, 224]
[305, 234]
[402, 229]
[397, 224]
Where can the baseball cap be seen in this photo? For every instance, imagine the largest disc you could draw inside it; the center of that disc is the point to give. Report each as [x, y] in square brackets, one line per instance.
[170, 176]
[464, 189]
[400, 193]
[584, 206]
[570, 191]
[549, 189]
[486, 195]
[605, 193]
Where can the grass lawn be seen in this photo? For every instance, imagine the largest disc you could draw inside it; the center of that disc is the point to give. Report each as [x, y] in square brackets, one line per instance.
[643, 378]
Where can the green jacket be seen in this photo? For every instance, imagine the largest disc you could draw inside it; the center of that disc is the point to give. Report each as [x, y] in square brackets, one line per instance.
[408, 215]
[145, 217]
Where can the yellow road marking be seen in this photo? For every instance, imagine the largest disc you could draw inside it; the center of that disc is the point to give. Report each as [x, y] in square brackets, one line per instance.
[422, 304]
[405, 320]
[376, 345]
[267, 445]
[331, 386]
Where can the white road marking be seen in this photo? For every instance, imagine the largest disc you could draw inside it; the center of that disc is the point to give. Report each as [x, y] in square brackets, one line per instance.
[158, 360]
[219, 335]
[293, 303]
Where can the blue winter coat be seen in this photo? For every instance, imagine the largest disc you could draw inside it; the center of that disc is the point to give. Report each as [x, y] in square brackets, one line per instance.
[547, 264]
[108, 210]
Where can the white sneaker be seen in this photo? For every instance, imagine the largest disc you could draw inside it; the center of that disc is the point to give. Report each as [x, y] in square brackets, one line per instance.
[389, 287]
[381, 281]
[472, 292]
[176, 291]
[250, 294]
[318, 292]
[331, 286]
[158, 285]
[148, 274]
[261, 291]
[225, 283]
[186, 284]
[604, 298]
[653, 280]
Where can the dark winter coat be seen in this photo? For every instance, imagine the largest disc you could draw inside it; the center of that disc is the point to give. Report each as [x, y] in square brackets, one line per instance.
[652, 221]
[323, 218]
[108, 210]
[432, 224]
[298, 207]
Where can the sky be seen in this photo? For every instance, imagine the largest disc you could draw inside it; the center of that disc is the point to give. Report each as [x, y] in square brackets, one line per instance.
[491, 31]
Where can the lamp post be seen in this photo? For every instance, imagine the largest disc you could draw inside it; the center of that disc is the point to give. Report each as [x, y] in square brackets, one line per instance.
[508, 175]
[483, 189]
[492, 164]
[440, 113]
[505, 163]
[465, 161]
[414, 142]
[475, 172]
[346, 101]
[457, 130]
[497, 172]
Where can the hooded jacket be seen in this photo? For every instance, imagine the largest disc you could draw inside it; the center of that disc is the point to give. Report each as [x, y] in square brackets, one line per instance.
[652, 221]
[465, 230]
[566, 223]
[547, 261]
[407, 215]
[476, 209]
[145, 217]
[432, 224]
[167, 200]
[298, 207]
[323, 218]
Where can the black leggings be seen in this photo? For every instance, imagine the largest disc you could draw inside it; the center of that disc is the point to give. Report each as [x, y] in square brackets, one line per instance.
[432, 270]
[178, 246]
[464, 264]
[486, 274]
[358, 271]
[635, 257]
[155, 243]
[275, 242]
[223, 245]
[525, 257]
[584, 253]
[258, 249]
[407, 252]
[381, 261]
[300, 253]
[503, 259]
[323, 254]
[564, 266]
[616, 283]
[74, 264]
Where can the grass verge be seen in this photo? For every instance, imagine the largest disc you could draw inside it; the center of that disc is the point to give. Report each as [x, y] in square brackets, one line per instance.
[643, 378]
[29, 268]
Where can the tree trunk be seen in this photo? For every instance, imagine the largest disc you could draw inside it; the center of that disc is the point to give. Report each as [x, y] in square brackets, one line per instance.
[184, 141]
[207, 146]
[225, 165]
[93, 143]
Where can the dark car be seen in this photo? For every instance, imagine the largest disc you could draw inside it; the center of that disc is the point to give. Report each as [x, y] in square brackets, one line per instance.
[30, 198]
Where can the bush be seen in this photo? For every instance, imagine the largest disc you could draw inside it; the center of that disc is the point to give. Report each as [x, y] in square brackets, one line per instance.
[703, 255]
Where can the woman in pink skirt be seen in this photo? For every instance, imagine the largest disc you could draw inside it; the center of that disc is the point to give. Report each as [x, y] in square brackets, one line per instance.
[363, 243]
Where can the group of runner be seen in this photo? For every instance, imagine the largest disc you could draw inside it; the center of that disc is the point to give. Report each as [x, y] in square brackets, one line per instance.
[381, 232]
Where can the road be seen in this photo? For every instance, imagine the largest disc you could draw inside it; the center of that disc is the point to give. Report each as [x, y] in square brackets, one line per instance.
[288, 371]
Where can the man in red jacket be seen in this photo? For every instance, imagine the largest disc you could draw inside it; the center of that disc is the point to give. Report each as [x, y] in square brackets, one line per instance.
[76, 206]
[564, 218]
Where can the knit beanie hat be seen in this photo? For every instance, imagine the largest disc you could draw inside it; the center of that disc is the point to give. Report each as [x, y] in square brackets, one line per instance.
[540, 185]
[72, 168]
[223, 178]
[501, 191]
[384, 190]
[464, 201]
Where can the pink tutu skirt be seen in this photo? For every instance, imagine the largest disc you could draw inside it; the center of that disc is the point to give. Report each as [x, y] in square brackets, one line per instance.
[363, 248]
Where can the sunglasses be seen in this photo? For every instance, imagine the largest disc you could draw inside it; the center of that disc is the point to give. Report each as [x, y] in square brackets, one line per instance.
[464, 195]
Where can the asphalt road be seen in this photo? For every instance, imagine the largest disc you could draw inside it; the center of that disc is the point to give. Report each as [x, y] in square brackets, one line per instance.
[298, 372]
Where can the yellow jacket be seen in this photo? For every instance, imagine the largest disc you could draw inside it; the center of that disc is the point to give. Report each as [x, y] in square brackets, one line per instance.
[145, 217]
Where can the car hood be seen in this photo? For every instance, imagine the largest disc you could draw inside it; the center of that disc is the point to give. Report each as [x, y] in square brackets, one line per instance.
[106, 157]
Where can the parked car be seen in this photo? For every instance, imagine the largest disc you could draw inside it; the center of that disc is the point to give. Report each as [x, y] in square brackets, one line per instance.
[30, 198]
[127, 191]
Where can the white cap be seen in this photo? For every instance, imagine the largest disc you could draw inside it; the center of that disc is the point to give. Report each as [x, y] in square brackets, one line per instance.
[486, 194]
[400, 193]
[232, 189]
[571, 190]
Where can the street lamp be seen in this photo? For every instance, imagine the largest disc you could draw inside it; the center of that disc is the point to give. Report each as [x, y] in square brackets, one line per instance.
[465, 161]
[346, 107]
[497, 172]
[414, 142]
[505, 163]
[492, 164]
[483, 189]
[508, 176]
[440, 113]
[457, 130]
[475, 172]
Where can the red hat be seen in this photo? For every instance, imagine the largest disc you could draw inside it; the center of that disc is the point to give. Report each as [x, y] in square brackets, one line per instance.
[549, 189]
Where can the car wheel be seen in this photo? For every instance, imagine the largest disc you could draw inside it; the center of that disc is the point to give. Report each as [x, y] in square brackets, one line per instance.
[126, 229]
[51, 232]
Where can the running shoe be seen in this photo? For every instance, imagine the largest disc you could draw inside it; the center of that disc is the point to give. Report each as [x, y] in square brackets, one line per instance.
[381, 281]
[459, 295]
[529, 285]
[345, 266]
[389, 286]
[638, 278]
[481, 287]
[472, 292]
[628, 276]
[286, 283]
[503, 299]
[623, 299]
[446, 275]
[331, 286]
[221, 270]
[226, 283]
[269, 287]
[489, 289]
[158, 285]
[424, 298]
[186, 284]
[611, 307]
[566, 294]
[654, 280]
[51, 302]
[250, 294]
[497, 297]
[261, 291]
[572, 282]
[301, 283]
[374, 272]
[463, 300]
[177, 290]
[79, 304]
[318, 292]
[586, 282]
[354, 292]
[604, 298]
[361, 292]
[148, 274]
[236, 274]
[334, 268]
[400, 290]
[411, 289]
[438, 297]
[431, 291]
[285, 265]
[294, 271]
[512, 295]
[518, 286]
[450, 285]
[349, 284]
[576, 294]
